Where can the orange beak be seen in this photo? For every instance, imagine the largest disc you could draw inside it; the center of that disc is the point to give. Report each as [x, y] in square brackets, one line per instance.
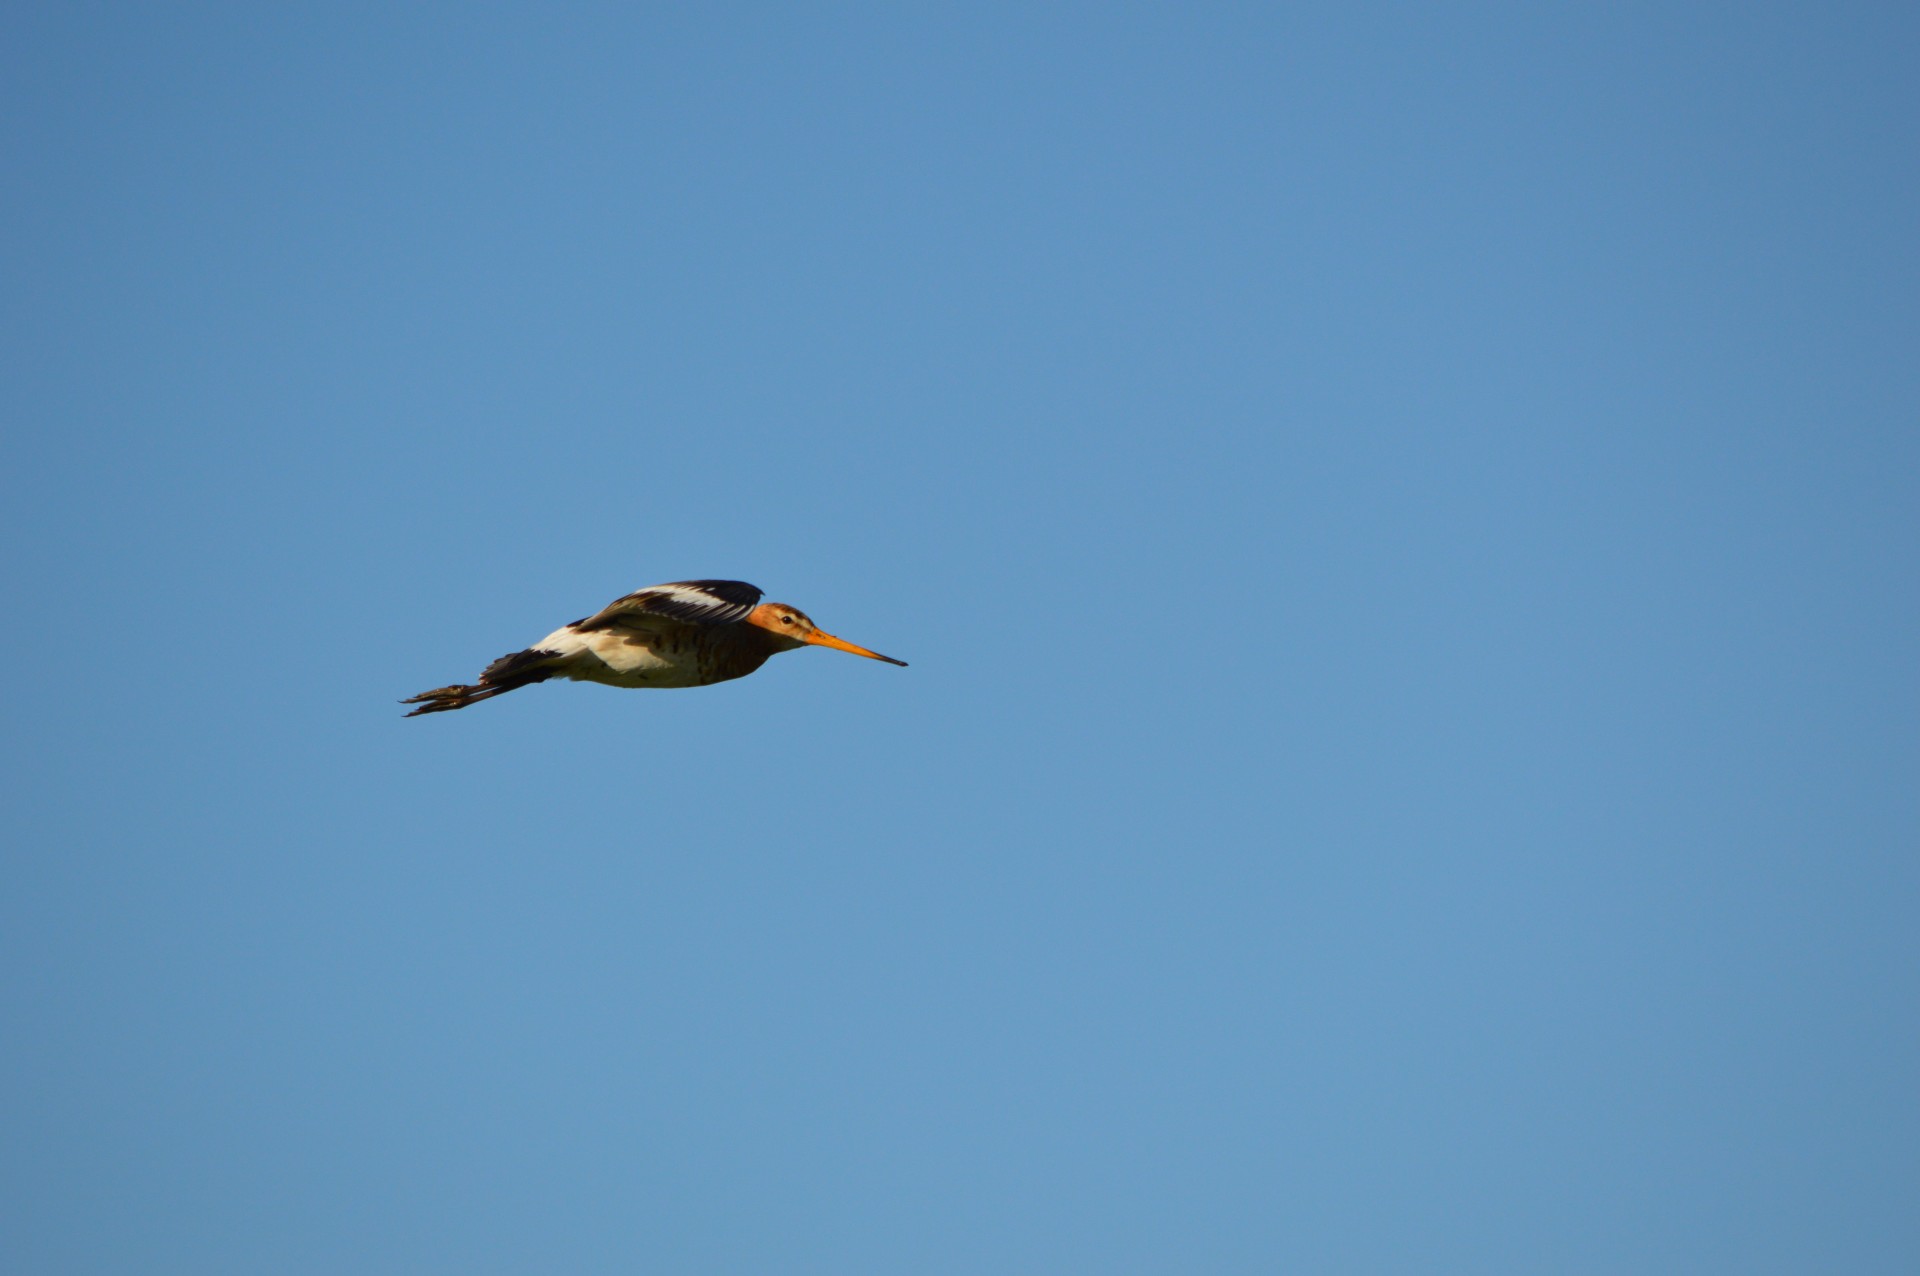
[819, 639]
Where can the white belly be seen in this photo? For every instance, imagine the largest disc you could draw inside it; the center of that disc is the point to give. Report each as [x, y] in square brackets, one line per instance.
[609, 657]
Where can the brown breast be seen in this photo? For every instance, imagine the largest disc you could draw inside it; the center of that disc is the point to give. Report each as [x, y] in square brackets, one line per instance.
[733, 651]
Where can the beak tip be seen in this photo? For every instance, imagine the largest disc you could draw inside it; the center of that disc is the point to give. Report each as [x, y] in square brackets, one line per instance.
[818, 639]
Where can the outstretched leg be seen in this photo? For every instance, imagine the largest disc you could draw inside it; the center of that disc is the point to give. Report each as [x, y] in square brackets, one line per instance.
[441, 699]
[517, 670]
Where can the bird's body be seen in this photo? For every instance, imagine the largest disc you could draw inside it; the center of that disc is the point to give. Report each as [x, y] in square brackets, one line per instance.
[691, 633]
[668, 654]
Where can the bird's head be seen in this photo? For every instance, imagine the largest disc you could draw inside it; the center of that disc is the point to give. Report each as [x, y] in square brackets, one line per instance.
[792, 627]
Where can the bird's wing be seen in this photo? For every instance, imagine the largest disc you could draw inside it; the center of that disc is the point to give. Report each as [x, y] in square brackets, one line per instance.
[693, 602]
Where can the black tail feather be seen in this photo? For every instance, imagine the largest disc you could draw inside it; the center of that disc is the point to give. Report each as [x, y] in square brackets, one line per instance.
[518, 668]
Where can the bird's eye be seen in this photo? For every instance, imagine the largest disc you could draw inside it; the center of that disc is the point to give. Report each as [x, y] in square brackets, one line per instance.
[786, 620]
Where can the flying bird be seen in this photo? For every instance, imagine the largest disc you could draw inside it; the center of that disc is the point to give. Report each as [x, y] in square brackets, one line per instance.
[691, 633]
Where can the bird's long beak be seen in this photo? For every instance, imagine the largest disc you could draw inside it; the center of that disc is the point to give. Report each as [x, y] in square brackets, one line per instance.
[819, 639]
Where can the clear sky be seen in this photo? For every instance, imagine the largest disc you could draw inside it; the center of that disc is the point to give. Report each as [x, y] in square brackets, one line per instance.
[1405, 520]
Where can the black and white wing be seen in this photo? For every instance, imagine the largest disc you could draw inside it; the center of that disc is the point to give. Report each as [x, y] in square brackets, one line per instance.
[693, 602]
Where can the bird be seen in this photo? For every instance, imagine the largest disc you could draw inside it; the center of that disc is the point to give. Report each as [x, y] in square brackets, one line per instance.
[689, 633]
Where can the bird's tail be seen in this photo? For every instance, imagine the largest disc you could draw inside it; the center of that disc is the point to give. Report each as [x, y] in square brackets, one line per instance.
[520, 669]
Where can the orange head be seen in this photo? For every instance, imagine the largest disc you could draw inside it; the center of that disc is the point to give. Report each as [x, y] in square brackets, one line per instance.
[791, 626]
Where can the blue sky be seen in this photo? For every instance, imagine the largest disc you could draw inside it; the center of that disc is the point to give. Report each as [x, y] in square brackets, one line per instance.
[1404, 523]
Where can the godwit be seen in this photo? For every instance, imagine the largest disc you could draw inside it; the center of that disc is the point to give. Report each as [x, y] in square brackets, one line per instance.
[687, 634]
